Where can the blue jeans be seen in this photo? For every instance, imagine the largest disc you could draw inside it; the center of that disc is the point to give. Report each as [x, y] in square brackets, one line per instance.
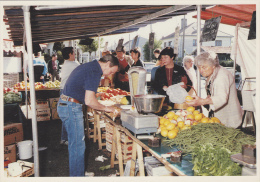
[71, 115]
[64, 135]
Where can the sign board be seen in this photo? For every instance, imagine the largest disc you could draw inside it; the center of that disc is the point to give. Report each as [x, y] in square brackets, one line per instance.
[210, 29]
[252, 30]
[134, 42]
[151, 40]
[120, 45]
[176, 39]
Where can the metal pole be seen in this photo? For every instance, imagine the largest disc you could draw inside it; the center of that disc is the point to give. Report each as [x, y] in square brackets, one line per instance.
[129, 45]
[183, 38]
[198, 47]
[236, 45]
[27, 23]
[98, 47]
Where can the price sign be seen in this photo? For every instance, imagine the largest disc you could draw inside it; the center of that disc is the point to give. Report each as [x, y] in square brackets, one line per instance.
[210, 29]
[252, 30]
[120, 45]
[151, 40]
[134, 42]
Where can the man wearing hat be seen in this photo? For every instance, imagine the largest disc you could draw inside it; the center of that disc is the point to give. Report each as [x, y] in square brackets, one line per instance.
[135, 54]
[121, 79]
[169, 74]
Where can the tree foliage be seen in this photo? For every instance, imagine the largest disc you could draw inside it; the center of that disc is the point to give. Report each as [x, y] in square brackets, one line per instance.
[146, 49]
[58, 46]
[93, 47]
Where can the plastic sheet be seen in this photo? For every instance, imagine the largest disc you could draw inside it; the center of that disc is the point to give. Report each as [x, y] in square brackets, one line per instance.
[176, 93]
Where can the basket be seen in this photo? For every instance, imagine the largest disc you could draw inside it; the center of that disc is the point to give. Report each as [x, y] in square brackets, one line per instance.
[183, 105]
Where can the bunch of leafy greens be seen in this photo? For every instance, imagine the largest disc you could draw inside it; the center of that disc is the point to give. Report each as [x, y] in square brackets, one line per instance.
[214, 161]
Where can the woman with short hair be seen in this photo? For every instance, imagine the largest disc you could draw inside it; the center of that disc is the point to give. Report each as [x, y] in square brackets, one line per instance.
[221, 100]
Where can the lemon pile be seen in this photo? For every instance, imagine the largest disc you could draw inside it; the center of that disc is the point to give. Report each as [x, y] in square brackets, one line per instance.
[175, 121]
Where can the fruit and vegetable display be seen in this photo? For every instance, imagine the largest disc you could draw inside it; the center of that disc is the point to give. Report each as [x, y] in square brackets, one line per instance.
[106, 93]
[173, 122]
[208, 141]
[38, 85]
[11, 95]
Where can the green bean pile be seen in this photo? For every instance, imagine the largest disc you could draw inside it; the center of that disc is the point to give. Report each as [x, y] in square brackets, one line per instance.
[213, 133]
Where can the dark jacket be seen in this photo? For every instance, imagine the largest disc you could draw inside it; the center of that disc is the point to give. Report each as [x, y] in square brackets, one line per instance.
[50, 66]
[179, 75]
[138, 63]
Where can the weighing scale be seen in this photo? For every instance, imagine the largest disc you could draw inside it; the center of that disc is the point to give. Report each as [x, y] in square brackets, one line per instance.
[137, 122]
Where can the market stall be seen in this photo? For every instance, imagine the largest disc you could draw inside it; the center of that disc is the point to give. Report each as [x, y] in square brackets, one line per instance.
[134, 129]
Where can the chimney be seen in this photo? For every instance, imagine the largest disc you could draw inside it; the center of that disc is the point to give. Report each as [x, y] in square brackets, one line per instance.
[183, 23]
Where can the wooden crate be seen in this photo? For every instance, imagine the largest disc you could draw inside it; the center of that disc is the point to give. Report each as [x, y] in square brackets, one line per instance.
[43, 114]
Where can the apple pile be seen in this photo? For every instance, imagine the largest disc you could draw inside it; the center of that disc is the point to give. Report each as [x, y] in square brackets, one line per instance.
[21, 85]
[6, 90]
[109, 93]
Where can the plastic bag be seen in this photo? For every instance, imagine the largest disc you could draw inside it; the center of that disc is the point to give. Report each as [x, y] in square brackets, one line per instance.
[176, 93]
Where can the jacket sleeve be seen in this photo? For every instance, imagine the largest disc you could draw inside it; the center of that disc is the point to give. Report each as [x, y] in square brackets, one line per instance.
[45, 70]
[221, 90]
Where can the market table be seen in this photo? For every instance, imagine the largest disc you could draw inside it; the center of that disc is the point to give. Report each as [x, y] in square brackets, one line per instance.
[182, 169]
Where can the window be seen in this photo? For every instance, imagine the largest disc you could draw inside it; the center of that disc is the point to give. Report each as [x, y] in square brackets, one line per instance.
[218, 43]
[194, 42]
[165, 44]
[170, 43]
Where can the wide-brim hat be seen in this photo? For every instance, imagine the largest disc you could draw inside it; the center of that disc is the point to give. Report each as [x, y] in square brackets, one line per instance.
[167, 51]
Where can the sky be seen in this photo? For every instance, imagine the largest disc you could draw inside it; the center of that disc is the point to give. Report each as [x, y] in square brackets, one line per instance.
[162, 29]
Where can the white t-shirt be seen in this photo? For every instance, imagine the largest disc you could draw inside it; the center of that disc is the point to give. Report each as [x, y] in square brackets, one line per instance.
[192, 74]
[66, 70]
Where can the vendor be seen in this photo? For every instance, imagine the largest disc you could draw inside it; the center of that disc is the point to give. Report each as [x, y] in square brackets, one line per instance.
[121, 79]
[169, 74]
[81, 88]
[221, 101]
[136, 54]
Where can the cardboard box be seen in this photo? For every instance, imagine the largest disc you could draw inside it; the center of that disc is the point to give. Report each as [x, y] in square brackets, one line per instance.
[42, 104]
[108, 146]
[13, 133]
[126, 148]
[109, 137]
[125, 138]
[43, 114]
[109, 128]
[54, 114]
[10, 152]
[53, 102]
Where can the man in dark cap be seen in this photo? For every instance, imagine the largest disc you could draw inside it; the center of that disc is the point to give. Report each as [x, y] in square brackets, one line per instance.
[121, 79]
[169, 74]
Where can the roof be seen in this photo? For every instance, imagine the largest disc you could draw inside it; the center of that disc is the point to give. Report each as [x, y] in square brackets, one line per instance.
[191, 30]
[231, 14]
[216, 49]
[52, 23]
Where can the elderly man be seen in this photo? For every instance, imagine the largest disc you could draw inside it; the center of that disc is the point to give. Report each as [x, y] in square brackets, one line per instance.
[81, 88]
[125, 62]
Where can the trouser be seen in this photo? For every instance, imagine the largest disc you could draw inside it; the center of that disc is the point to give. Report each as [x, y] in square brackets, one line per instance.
[71, 115]
[55, 75]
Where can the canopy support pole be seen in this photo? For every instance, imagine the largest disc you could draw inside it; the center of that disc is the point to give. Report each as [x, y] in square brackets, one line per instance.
[236, 45]
[198, 48]
[98, 47]
[27, 23]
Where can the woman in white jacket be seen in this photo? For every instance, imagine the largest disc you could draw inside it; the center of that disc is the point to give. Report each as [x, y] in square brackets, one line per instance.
[221, 100]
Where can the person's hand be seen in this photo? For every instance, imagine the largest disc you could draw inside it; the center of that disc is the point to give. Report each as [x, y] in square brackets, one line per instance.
[197, 101]
[42, 77]
[165, 88]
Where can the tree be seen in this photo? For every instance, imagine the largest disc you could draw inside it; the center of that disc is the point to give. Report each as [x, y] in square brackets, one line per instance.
[58, 46]
[93, 47]
[157, 44]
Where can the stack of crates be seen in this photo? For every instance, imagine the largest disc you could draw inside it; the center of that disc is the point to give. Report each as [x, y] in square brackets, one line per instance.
[53, 107]
[126, 143]
[42, 110]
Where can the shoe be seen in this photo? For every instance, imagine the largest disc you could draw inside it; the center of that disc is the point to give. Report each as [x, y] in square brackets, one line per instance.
[89, 174]
[64, 142]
